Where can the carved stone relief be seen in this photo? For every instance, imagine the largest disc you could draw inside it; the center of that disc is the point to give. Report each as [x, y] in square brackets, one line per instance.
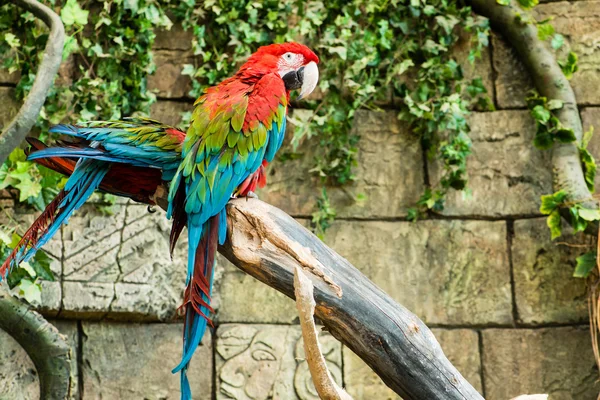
[256, 362]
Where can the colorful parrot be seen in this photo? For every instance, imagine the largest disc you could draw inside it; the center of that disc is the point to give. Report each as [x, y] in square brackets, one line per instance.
[235, 127]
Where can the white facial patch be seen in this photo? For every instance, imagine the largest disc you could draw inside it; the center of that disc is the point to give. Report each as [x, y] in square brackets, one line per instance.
[289, 62]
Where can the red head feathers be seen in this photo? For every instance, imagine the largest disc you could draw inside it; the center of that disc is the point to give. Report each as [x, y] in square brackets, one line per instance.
[295, 63]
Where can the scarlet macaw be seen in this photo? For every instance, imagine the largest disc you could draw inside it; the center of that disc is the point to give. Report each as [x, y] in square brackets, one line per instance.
[235, 127]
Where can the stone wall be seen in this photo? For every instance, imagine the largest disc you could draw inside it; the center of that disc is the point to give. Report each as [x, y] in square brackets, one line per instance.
[485, 276]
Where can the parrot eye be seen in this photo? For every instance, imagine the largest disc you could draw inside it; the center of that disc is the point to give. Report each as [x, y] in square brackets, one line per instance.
[288, 56]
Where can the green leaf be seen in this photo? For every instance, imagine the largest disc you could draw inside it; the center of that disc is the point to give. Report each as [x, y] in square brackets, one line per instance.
[557, 41]
[503, 2]
[31, 291]
[41, 265]
[17, 155]
[565, 135]
[527, 4]
[555, 104]
[540, 114]
[551, 202]
[585, 264]
[569, 66]
[543, 140]
[554, 222]
[588, 165]
[579, 224]
[12, 40]
[589, 214]
[545, 31]
[70, 46]
[73, 14]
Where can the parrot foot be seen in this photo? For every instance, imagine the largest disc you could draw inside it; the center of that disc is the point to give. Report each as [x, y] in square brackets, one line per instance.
[252, 195]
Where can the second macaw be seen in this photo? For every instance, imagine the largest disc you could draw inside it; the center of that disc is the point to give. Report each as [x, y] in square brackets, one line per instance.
[235, 127]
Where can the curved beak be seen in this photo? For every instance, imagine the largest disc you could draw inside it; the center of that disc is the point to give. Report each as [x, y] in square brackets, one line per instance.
[310, 79]
[304, 78]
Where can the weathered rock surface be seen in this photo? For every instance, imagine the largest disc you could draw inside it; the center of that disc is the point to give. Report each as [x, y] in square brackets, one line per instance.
[167, 81]
[10, 105]
[242, 298]
[389, 173]
[446, 272]
[130, 361]
[557, 361]
[545, 289]
[579, 22]
[19, 379]
[461, 346]
[122, 265]
[169, 112]
[507, 174]
[267, 362]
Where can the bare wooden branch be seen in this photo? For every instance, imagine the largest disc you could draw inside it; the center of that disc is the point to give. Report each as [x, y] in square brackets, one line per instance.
[268, 244]
[550, 82]
[47, 348]
[16, 131]
[305, 303]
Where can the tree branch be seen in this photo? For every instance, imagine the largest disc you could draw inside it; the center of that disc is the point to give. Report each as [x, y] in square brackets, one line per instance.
[268, 244]
[326, 387]
[47, 348]
[550, 82]
[16, 131]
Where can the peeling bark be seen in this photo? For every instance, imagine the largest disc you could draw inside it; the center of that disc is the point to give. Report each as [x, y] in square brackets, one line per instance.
[16, 131]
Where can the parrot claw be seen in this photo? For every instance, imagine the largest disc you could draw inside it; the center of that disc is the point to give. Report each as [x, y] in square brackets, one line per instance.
[234, 196]
[151, 209]
[252, 195]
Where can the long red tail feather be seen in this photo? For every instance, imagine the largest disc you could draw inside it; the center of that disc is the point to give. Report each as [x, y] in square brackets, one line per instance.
[35, 231]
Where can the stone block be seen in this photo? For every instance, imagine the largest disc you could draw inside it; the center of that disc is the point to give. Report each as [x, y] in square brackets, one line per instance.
[120, 265]
[461, 346]
[545, 289]
[446, 272]
[127, 361]
[169, 112]
[91, 242]
[175, 38]
[579, 22]
[389, 173]
[556, 361]
[267, 362]
[507, 174]
[18, 378]
[86, 299]
[167, 81]
[6, 77]
[242, 298]
[10, 106]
